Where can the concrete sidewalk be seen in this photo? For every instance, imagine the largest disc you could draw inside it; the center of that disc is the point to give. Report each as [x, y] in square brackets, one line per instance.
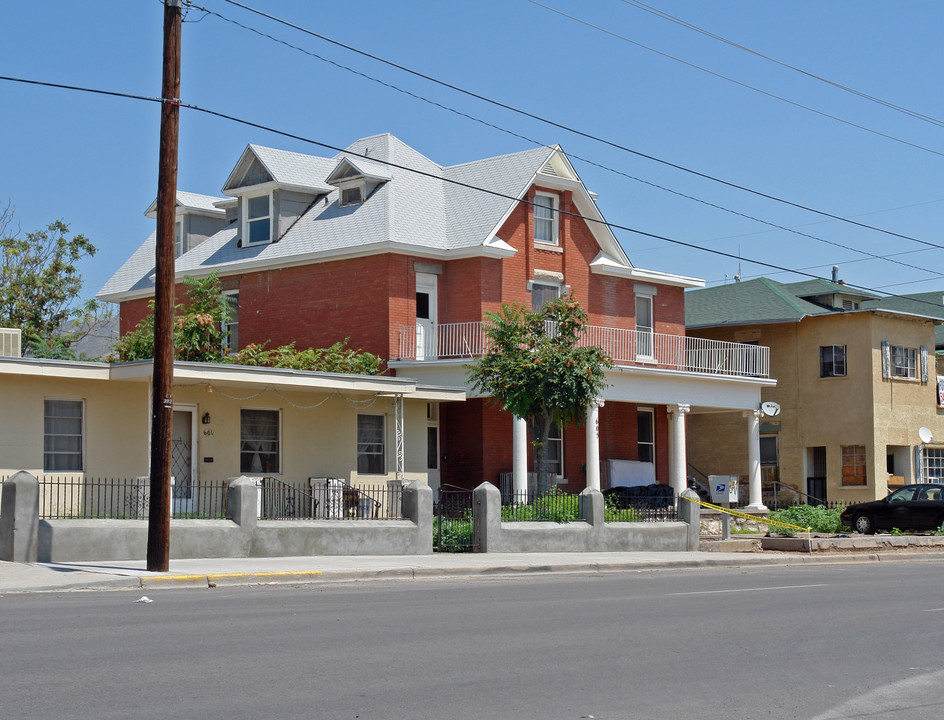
[132, 575]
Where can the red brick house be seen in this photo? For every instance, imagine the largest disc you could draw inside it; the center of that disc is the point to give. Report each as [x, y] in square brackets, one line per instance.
[404, 257]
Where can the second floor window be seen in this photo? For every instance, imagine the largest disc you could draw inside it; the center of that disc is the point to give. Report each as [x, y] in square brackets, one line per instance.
[644, 326]
[904, 362]
[545, 219]
[230, 328]
[179, 248]
[258, 220]
[832, 361]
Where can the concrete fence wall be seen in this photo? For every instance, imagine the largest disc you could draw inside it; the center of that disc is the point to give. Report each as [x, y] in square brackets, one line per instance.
[591, 534]
[26, 538]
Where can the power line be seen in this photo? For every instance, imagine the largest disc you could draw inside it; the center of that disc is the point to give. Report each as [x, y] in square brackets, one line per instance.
[737, 82]
[691, 26]
[458, 183]
[574, 131]
[571, 155]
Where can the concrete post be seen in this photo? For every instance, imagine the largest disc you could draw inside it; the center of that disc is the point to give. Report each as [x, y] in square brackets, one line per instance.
[753, 461]
[690, 512]
[418, 506]
[486, 518]
[19, 519]
[519, 455]
[241, 502]
[678, 465]
[593, 445]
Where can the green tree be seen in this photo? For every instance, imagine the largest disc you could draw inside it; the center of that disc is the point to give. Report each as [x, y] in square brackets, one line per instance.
[539, 367]
[198, 336]
[39, 284]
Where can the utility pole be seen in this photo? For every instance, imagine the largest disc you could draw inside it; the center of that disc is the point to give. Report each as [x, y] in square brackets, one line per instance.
[162, 399]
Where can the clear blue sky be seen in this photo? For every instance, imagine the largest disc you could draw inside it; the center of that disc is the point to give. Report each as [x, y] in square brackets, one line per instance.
[92, 160]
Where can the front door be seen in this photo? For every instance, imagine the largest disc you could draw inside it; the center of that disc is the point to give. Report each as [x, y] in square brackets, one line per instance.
[182, 465]
[426, 312]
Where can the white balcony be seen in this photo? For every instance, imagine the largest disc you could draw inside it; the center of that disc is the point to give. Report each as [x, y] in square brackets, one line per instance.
[452, 341]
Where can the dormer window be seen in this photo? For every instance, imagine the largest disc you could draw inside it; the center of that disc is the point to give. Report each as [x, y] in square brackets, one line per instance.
[179, 238]
[352, 194]
[545, 219]
[257, 219]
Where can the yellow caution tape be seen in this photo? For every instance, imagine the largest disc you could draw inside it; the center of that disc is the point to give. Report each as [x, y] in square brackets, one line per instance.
[766, 521]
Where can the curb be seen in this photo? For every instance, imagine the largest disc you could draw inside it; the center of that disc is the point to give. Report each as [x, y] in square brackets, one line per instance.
[216, 579]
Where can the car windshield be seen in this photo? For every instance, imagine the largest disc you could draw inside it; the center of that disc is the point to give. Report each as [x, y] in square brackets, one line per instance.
[901, 495]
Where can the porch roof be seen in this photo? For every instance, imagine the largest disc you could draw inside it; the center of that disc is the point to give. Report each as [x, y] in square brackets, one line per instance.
[210, 374]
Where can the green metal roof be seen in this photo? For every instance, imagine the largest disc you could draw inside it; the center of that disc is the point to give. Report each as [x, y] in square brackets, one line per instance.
[754, 301]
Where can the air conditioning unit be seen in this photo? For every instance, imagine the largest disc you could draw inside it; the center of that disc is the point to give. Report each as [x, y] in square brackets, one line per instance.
[10, 342]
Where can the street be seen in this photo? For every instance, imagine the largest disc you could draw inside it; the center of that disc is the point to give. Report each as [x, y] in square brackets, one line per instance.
[819, 641]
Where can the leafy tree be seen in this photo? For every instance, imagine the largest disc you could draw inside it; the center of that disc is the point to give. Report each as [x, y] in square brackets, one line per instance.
[198, 337]
[39, 283]
[539, 367]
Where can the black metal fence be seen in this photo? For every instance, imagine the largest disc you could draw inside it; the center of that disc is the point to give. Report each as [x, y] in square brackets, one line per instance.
[74, 498]
[452, 520]
[335, 499]
[282, 501]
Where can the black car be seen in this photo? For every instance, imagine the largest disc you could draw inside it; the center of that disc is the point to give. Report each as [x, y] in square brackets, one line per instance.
[913, 507]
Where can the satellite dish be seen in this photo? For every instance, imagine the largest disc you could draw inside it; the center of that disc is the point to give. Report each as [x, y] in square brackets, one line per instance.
[770, 408]
[926, 435]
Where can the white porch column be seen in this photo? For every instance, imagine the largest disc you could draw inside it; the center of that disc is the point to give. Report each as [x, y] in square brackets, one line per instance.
[593, 445]
[519, 457]
[753, 460]
[678, 465]
[398, 421]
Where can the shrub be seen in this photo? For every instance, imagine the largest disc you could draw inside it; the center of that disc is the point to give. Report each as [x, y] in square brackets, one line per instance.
[456, 533]
[818, 519]
[555, 506]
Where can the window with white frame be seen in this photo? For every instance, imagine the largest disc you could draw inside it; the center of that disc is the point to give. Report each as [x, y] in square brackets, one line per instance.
[259, 441]
[229, 328]
[832, 361]
[644, 325]
[904, 362]
[371, 444]
[63, 435]
[542, 293]
[545, 219]
[555, 450]
[645, 436]
[179, 238]
[257, 222]
[933, 469]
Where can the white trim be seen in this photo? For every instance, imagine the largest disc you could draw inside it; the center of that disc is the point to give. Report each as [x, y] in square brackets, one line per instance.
[603, 265]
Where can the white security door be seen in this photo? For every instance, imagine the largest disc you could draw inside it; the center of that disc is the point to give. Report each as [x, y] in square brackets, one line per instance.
[182, 465]
[426, 316]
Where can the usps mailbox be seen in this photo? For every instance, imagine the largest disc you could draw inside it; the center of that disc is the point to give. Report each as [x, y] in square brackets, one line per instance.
[724, 488]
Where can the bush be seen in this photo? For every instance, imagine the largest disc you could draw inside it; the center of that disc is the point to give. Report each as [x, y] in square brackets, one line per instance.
[456, 533]
[819, 519]
[555, 506]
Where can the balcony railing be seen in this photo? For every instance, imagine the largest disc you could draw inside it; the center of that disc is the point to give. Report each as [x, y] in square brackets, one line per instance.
[450, 341]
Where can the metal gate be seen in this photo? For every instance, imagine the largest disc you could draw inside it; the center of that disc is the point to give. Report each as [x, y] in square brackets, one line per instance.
[452, 520]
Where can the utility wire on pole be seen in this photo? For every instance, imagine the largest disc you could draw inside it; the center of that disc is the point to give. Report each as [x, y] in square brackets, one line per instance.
[162, 399]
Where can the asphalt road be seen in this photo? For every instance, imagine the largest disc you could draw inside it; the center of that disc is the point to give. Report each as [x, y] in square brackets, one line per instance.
[824, 642]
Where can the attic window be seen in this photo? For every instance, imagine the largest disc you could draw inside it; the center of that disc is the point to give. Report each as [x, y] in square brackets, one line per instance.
[257, 219]
[545, 219]
[352, 195]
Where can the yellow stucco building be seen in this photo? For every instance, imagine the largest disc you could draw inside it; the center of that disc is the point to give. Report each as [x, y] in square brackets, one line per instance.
[856, 383]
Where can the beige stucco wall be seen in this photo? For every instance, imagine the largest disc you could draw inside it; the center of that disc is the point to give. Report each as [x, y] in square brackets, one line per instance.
[320, 441]
[861, 408]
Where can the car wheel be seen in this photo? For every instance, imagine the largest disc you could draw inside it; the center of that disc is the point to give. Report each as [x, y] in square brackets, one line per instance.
[864, 524]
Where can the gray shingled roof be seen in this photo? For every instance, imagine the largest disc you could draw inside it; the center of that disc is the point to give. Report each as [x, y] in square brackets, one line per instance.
[410, 210]
[818, 286]
[754, 301]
